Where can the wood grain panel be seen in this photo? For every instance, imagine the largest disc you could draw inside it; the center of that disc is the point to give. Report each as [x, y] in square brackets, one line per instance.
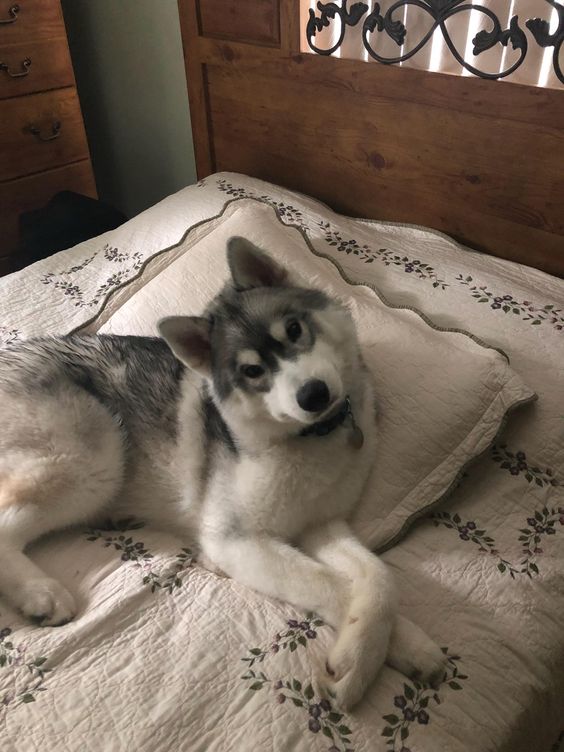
[480, 160]
[197, 87]
[530, 104]
[33, 192]
[393, 152]
[50, 67]
[36, 19]
[249, 20]
[22, 153]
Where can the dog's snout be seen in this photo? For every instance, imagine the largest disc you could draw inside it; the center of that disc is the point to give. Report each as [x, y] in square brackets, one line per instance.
[313, 396]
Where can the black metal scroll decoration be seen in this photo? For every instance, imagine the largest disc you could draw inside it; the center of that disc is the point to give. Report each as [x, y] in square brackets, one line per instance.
[540, 30]
[440, 11]
[328, 13]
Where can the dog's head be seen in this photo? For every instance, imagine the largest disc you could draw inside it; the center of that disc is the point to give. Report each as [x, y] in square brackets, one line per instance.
[273, 352]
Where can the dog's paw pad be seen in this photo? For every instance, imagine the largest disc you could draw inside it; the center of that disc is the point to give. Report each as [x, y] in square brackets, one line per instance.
[48, 603]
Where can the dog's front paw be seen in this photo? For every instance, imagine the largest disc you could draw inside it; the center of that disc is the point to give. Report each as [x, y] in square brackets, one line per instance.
[47, 602]
[415, 654]
[354, 660]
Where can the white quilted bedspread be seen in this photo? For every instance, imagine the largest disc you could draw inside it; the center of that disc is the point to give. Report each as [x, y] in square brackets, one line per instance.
[167, 656]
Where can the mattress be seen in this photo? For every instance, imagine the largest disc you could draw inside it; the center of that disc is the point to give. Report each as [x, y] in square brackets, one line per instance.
[165, 655]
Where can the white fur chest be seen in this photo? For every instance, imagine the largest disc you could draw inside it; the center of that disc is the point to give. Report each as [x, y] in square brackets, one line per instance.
[287, 489]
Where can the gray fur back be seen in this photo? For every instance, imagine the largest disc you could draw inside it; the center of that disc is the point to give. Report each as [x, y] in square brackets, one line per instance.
[136, 378]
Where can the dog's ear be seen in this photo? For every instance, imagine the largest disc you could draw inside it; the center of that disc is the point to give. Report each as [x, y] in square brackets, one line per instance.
[189, 339]
[250, 267]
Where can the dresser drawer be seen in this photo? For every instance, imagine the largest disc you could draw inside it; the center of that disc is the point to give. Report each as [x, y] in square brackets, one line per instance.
[39, 132]
[33, 192]
[33, 19]
[34, 66]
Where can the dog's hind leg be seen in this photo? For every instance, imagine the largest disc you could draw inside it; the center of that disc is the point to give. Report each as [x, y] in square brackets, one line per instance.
[52, 475]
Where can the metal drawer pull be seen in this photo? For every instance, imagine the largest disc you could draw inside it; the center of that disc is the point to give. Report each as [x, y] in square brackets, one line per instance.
[13, 13]
[26, 64]
[55, 132]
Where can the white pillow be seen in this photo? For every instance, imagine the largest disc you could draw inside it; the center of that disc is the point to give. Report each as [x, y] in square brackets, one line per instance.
[442, 396]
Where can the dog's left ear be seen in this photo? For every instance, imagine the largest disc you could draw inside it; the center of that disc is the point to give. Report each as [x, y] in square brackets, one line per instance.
[189, 339]
[250, 267]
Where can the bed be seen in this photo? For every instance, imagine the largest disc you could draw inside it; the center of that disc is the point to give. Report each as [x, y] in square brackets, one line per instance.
[166, 655]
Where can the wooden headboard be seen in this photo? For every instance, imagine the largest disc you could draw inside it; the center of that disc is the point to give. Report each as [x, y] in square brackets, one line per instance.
[480, 160]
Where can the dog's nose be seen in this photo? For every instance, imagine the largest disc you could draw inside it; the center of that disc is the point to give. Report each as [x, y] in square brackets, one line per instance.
[313, 396]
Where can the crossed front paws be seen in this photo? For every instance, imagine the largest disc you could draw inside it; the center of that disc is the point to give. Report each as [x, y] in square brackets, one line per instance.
[360, 650]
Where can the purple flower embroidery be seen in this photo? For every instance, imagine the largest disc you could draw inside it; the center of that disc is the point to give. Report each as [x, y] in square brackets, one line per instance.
[414, 704]
[507, 303]
[423, 717]
[368, 255]
[517, 464]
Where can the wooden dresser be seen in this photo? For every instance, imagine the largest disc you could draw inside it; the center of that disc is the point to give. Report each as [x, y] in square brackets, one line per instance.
[43, 147]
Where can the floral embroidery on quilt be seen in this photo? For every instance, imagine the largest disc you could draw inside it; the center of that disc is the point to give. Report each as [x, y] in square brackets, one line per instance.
[168, 578]
[543, 523]
[69, 285]
[413, 705]
[298, 633]
[288, 213]
[516, 463]
[321, 717]
[507, 303]
[28, 673]
[291, 215]
[368, 255]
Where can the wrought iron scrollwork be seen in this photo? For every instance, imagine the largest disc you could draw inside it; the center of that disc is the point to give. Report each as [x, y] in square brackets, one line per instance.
[439, 11]
[541, 31]
[328, 12]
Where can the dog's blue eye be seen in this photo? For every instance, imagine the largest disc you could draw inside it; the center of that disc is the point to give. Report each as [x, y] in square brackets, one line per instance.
[294, 331]
[253, 372]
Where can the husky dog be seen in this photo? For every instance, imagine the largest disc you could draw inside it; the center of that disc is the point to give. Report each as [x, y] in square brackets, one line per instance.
[249, 430]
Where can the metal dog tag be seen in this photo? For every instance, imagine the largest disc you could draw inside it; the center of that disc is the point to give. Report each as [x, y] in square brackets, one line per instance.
[356, 439]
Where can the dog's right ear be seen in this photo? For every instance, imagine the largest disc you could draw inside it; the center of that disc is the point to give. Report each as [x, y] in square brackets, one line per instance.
[189, 339]
[250, 267]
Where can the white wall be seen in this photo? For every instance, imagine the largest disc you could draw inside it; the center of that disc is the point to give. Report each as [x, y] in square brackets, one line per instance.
[129, 66]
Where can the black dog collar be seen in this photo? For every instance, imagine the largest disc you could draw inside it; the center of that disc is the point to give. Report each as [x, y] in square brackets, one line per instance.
[325, 427]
